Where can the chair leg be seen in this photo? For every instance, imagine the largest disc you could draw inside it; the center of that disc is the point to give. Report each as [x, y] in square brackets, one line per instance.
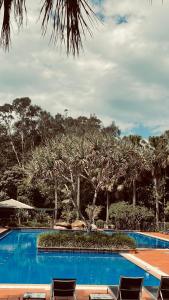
[75, 298]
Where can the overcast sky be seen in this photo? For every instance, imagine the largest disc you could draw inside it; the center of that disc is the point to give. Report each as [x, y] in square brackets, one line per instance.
[122, 75]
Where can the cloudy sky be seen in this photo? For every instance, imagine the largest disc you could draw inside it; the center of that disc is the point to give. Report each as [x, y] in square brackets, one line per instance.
[122, 74]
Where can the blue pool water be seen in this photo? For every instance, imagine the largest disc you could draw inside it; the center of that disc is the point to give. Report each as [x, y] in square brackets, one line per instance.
[20, 262]
[144, 241]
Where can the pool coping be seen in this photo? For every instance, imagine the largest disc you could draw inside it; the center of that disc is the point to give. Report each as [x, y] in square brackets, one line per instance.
[4, 233]
[47, 287]
[153, 236]
[76, 249]
[155, 271]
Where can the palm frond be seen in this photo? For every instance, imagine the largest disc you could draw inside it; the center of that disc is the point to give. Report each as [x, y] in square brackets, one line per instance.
[5, 32]
[19, 7]
[19, 11]
[70, 19]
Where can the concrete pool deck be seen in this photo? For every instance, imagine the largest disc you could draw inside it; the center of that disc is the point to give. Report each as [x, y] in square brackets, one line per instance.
[3, 229]
[159, 235]
[82, 293]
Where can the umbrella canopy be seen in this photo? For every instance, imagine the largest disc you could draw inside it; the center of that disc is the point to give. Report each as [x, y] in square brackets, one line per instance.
[63, 224]
[79, 223]
[11, 203]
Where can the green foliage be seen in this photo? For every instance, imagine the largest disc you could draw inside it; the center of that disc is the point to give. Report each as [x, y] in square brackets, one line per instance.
[85, 240]
[100, 223]
[42, 217]
[125, 216]
[68, 213]
[167, 209]
[46, 159]
[93, 212]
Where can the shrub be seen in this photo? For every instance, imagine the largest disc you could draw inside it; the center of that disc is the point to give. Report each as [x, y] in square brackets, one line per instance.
[125, 216]
[100, 223]
[42, 217]
[85, 240]
[34, 223]
[68, 213]
[39, 219]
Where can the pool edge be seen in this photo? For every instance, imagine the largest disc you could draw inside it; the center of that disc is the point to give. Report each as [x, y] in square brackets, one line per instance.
[144, 265]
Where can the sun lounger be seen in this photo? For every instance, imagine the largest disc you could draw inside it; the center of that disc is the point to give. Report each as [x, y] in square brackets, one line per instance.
[129, 288]
[163, 291]
[63, 288]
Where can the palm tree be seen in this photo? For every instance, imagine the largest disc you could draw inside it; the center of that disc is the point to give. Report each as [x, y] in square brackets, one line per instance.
[133, 153]
[70, 20]
[156, 154]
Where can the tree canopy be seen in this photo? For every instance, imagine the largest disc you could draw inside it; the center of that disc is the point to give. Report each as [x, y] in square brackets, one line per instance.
[79, 167]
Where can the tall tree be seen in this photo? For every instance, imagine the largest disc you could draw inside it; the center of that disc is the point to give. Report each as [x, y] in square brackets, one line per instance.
[157, 153]
[6, 118]
[133, 153]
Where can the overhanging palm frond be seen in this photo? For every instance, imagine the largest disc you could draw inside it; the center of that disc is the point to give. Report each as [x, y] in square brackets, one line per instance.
[70, 21]
[19, 7]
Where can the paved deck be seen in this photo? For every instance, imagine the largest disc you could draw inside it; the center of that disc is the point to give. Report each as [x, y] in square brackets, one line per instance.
[157, 258]
[17, 294]
[2, 229]
[158, 235]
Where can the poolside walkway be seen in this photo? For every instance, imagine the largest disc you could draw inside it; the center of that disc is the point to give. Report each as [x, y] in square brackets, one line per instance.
[16, 294]
[2, 229]
[158, 235]
[157, 258]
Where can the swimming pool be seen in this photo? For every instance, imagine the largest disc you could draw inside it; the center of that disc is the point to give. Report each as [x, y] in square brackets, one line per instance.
[20, 262]
[144, 241]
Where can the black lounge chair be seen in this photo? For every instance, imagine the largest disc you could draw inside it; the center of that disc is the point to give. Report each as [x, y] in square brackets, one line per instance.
[163, 291]
[63, 288]
[130, 288]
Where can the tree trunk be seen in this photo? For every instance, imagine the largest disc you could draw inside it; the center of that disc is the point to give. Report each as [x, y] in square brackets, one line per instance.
[12, 144]
[156, 202]
[164, 203]
[56, 199]
[78, 196]
[16, 154]
[107, 208]
[22, 145]
[134, 192]
[93, 205]
[74, 201]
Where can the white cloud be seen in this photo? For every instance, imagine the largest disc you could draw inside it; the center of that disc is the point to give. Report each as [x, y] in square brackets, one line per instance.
[122, 74]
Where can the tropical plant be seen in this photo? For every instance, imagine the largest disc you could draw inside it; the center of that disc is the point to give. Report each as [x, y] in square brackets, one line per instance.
[133, 154]
[68, 213]
[156, 152]
[93, 212]
[69, 19]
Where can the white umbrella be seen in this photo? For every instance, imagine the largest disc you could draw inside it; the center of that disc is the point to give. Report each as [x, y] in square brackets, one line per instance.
[11, 203]
[14, 204]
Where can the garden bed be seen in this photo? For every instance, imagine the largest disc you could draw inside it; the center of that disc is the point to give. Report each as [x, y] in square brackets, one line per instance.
[93, 241]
